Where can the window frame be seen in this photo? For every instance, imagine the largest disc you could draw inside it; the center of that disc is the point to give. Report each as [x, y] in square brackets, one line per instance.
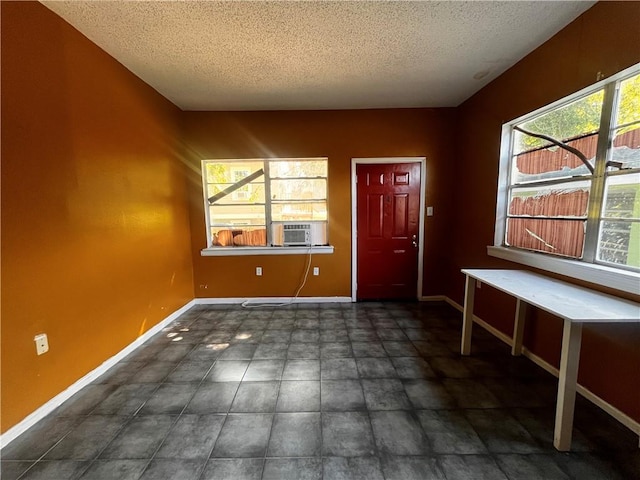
[211, 250]
[589, 268]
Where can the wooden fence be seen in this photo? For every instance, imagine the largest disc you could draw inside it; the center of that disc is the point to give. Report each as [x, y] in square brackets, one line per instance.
[559, 236]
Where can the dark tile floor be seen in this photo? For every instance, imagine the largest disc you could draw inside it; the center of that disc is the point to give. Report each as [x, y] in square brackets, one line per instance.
[331, 391]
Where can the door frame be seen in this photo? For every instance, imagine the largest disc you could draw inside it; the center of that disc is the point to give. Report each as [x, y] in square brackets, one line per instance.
[354, 213]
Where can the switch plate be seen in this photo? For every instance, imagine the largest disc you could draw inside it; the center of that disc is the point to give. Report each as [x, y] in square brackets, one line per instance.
[316, 271]
[429, 211]
[42, 343]
[259, 271]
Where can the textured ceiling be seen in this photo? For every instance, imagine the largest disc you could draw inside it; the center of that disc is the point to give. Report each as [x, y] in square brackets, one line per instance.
[267, 55]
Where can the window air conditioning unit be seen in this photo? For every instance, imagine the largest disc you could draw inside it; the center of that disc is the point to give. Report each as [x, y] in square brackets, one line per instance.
[289, 234]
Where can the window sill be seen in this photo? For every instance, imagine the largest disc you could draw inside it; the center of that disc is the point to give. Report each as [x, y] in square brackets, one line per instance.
[245, 251]
[618, 279]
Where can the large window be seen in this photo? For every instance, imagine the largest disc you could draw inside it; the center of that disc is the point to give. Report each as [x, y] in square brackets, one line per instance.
[570, 178]
[245, 199]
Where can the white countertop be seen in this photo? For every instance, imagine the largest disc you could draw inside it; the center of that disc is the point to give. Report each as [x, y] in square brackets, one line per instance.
[563, 299]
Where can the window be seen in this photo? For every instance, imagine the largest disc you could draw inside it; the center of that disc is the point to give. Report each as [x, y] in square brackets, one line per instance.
[242, 193]
[245, 199]
[569, 184]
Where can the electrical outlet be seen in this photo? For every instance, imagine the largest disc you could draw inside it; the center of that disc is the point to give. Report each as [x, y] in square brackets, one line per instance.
[42, 343]
[259, 271]
[316, 271]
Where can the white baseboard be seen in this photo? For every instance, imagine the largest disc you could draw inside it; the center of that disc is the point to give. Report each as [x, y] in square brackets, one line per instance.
[432, 298]
[622, 417]
[56, 401]
[269, 300]
[455, 305]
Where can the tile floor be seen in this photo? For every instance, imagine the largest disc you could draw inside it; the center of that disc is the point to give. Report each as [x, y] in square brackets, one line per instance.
[331, 391]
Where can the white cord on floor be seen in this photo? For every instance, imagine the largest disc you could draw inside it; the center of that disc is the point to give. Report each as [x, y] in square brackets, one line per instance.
[246, 303]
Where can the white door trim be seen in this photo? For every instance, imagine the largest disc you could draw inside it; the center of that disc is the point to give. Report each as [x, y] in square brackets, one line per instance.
[354, 218]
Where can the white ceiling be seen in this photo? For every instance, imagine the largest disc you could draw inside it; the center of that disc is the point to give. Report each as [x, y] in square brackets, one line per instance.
[281, 55]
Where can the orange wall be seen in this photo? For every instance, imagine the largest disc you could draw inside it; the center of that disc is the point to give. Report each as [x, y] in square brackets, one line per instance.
[604, 39]
[340, 136]
[95, 235]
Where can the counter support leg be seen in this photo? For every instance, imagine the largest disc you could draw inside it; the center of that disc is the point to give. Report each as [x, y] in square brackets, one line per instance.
[568, 377]
[518, 328]
[467, 318]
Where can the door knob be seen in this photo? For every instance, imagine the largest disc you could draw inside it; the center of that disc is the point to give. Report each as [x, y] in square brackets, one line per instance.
[414, 241]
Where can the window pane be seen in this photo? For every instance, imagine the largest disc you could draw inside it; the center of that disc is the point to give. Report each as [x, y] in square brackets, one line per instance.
[231, 172]
[563, 200]
[237, 215]
[251, 193]
[296, 189]
[573, 120]
[629, 103]
[247, 237]
[620, 243]
[626, 147]
[298, 168]
[622, 196]
[562, 237]
[299, 211]
[554, 162]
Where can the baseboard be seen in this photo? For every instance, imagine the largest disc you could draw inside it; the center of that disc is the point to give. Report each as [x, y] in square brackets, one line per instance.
[56, 401]
[432, 298]
[269, 300]
[494, 331]
[589, 395]
[622, 417]
[455, 305]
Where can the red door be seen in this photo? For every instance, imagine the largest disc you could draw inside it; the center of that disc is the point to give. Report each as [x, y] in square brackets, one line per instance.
[388, 210]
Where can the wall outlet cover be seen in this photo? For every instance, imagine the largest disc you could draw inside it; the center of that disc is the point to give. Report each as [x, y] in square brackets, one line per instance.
[42, 343]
